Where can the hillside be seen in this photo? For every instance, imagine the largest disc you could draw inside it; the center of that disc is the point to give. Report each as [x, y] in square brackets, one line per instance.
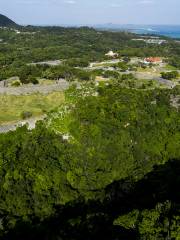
[6, 22]
[104, 161]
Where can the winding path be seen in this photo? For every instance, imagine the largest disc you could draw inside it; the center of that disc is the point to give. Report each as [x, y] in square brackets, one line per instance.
[31, 122]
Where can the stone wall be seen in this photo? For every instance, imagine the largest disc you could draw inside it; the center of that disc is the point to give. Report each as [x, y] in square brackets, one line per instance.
[25, 90]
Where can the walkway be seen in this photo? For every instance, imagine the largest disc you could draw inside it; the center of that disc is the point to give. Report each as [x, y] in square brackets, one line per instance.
[12, 127]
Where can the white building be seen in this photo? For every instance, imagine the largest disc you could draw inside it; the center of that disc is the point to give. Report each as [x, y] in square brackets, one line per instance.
[111, 54]
[151, 40]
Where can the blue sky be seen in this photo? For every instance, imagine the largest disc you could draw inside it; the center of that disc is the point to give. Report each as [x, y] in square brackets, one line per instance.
[57, 12]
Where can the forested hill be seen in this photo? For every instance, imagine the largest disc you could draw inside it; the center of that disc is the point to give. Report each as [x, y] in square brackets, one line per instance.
[117, 177]
[6, 22]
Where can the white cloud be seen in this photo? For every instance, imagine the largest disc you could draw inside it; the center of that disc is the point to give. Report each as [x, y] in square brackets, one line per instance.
[70, 2]
[145, 2]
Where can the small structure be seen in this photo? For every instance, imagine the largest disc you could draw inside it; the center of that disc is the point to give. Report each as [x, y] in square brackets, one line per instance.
[112, 54]
[153, 60]
[66, 137]
[156, 41]
[151, 40]
[49, 63]
[17, 31]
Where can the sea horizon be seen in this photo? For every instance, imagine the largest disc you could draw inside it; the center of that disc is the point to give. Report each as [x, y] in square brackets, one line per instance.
[166, 30]
[172, 31]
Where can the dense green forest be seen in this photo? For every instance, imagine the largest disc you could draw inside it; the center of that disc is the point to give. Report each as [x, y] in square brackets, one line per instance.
[75, 46]
[104, 164]
[117, 177]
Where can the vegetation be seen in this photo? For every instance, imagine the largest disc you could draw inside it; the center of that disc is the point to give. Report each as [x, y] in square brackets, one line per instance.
[170, 75]
[6, 22]
[105, 162]
[175, 62]
[77, 47]
[12, 107]
[26, 115]
[122, 144]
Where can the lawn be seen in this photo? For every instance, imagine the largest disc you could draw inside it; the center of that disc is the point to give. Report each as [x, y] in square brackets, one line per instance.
[171, 68]
[46, 81]
[11, 107]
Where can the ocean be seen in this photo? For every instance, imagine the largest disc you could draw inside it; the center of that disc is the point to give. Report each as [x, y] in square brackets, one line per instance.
[169, 30]
[172, 31]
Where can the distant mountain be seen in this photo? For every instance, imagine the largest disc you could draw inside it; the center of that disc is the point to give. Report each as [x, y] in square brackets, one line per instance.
[6, 22]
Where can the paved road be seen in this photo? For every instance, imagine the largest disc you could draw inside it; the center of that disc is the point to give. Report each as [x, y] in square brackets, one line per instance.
[44, 89]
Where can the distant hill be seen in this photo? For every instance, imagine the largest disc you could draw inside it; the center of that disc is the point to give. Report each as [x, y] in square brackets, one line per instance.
[6, 22]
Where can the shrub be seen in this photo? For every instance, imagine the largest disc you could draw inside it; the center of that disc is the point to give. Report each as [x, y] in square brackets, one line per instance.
[25, 115]
[32, 80]
[16, 83]
[170, 75]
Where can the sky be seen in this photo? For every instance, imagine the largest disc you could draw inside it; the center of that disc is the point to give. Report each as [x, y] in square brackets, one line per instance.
[71, 12]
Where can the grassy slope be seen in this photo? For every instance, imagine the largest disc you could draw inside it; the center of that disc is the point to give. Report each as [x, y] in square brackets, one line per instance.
[12, 106]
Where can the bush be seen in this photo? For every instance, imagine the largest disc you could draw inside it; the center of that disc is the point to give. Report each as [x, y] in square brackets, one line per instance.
[25, 115]
[33, 80]
[127, 76]
[16, 83]
[77, 62]
[170, 75]
[111, 74]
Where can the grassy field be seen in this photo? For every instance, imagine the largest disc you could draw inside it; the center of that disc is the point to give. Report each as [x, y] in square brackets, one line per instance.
[171, 68]
[11, 107]
[46, 81]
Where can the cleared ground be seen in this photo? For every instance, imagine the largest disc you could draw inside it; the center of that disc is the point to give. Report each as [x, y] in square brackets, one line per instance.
[11, 107]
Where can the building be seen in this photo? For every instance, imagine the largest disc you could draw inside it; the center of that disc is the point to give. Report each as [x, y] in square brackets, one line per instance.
[156, 41]
[112, 54]
[151, 40]
[153, 60]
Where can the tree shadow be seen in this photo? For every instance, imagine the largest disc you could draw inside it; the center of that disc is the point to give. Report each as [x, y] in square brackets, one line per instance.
[94, 220]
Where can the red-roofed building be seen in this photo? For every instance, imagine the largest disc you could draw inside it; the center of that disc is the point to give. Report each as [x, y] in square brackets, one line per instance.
[155, 60]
